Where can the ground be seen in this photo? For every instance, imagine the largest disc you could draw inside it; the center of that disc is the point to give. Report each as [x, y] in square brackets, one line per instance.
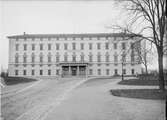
[78, 99]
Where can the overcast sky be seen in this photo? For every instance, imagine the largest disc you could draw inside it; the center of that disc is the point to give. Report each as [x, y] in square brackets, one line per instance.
[55, 17]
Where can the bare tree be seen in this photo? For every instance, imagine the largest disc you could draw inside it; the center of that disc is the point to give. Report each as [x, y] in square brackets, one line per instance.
[151, 12]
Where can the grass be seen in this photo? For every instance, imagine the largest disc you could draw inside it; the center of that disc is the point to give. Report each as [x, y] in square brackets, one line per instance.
[17, 80]
[140, 82]
[154, 94]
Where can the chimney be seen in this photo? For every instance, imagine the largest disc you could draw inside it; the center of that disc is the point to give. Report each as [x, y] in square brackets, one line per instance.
[24, 33]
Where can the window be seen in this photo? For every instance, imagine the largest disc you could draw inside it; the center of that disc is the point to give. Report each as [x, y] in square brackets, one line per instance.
[98, 45]
[16, 58]
[124, 71]
[123, 57]
[16, 72]
[90, 46]
[107, 71]
[25, 46]
[82, 57]
[57, 58]
[90, 71]
[115, 58]
[116, 72]
[132, 57]
[49, 58]
[65, 46]
[133, 71]
[107, 45]
[123, 46]
[49, 72]
[107, 58]
[41, 58]
[73, 46]
[90, 58]
[82, 46]
[17, 47]
[24, 72]
[99, 71]
[24, 58]
[74, 58]
[32, 72]
[65, 57]
[115, 45]
[33, 47]
[41, 72]
[41, 46]
[33, 58]
[57, 46]
[49, 46]
[98, 58]
[57, 72]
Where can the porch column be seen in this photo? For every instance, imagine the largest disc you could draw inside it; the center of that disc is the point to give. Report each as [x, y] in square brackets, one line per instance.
[77, 70]
[69, 70]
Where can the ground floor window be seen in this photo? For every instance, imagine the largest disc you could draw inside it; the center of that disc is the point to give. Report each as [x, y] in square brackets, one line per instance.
[41, 72]
[49, 72]
[57, 72]
[133, 71]
[16, 72]
[99, 71]
[107, 71]
[33, 72]
[90, 72]
[116, 72]
[124, 71]
[24, 72]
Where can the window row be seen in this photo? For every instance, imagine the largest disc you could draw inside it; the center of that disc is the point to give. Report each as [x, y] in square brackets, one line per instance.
[99, 72]
[74, 58]
[66, 46]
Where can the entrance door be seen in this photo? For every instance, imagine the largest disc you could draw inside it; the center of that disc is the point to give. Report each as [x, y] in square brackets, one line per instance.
[74, 71]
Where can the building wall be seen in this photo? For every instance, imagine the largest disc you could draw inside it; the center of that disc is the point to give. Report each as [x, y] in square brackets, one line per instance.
[53, 65]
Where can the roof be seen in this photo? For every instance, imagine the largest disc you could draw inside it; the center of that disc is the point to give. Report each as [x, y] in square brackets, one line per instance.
[72, 35]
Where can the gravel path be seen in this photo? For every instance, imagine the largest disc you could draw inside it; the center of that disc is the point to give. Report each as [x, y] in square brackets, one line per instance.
[33, 103]
[93, 101]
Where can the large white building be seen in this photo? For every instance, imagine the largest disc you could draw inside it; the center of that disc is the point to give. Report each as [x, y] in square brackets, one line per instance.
[101, 54]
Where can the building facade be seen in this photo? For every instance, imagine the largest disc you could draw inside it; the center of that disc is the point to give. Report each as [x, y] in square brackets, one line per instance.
[101, 54]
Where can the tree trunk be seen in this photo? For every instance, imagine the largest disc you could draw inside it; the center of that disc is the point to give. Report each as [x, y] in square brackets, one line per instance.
[146, 69]
[161, 73]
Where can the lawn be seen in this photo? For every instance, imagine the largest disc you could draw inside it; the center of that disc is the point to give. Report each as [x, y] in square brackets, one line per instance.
[140, 93]
[140, 82]
[17, 80]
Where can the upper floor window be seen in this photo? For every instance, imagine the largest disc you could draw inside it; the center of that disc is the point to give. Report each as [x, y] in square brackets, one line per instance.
[133, 71]
[16, 72]
[17, 47]
[49, 72]
[41, 72]
[115, 71]
[24, 72]
[90, 57]
[57, 46]
[73, 46]
[124, 71]
[107, 58]
[74, 57]
[90, 71]
[41, 46]
[32, 58]
[57, 57]
[90, 46]
[16, 58]
[115, 58]
[49, 46]
[41, 58]
[33, 46]
[82, 57]
[65, 46]
[32, 72]
[98, 58]
[115, 45]
[25, 46]
[107, 71]
[123, 46]
[82, 46]
[24, 58]
[49, 58]
[132, 57]
[107, 45]
[98, 45]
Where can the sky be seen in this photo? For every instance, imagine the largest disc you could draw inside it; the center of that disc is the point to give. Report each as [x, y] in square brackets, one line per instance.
[42, 17]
